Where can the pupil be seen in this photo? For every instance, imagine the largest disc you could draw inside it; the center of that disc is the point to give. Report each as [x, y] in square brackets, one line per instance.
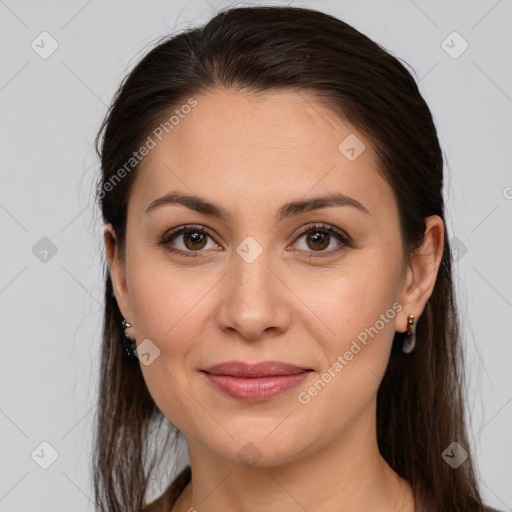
[195, 238]
[318, 238]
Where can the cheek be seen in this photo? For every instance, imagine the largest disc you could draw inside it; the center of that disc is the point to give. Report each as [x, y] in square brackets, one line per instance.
[169, 308]
[359, 309]
[167, 301]
[350, 299]
[354, 359]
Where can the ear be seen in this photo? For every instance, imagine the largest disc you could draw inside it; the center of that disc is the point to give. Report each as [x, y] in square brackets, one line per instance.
[421, 274]
[117, 271]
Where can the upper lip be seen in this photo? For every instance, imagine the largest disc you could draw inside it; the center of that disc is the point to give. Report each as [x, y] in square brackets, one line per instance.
[263, 369]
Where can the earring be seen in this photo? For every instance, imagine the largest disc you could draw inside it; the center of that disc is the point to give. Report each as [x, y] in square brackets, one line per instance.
[410, 340]
[129, 345]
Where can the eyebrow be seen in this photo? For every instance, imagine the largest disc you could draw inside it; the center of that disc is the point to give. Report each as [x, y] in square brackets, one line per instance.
[287, 210]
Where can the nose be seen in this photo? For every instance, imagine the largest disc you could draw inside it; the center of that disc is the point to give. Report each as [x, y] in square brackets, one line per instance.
[254, 300]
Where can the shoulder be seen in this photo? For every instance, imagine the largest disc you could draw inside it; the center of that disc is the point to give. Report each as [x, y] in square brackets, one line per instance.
[165, 502]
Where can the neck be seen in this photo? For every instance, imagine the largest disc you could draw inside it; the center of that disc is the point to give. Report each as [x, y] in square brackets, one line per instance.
[348, 474]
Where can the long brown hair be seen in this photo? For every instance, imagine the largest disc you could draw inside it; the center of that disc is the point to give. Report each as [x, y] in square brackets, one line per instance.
[421, 399]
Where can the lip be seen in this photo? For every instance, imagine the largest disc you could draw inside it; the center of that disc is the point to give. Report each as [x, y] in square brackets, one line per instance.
[263, 369]
[255, 382]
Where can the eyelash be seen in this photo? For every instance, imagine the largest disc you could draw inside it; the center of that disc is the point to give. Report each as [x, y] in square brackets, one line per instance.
[345, 240]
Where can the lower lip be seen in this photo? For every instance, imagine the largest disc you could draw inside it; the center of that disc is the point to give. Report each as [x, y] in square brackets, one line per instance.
[257, 388]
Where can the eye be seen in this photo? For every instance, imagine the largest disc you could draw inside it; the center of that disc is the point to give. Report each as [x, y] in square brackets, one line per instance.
[319, 237]
[191, 240]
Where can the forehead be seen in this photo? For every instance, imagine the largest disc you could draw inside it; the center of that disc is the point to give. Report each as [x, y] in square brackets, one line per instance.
[235, 146]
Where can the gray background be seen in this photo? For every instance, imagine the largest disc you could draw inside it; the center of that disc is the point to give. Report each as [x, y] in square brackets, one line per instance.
[50, 303]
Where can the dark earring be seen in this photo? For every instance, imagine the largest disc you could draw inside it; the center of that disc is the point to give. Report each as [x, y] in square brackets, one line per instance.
[410, 340]
[129, 345]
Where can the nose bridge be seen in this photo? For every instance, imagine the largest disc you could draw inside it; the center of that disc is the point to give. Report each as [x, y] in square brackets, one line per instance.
[251, 265]
[253, 279]
[252, 302]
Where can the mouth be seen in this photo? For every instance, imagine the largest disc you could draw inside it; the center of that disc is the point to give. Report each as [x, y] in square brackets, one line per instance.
[263, 369]
[256, 382]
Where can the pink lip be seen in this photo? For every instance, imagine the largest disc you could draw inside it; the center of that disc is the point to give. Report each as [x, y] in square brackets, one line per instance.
[255, 382]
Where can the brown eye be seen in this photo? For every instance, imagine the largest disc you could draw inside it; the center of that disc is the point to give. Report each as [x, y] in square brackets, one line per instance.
[194, 240]
[318, 240]
[188, 241]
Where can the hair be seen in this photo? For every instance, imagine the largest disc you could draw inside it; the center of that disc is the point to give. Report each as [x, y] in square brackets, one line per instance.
[258, 49]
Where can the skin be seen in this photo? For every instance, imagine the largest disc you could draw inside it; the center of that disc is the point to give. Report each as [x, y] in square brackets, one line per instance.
[250, 154]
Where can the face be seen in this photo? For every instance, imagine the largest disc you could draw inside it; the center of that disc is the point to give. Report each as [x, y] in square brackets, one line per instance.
[263, 282]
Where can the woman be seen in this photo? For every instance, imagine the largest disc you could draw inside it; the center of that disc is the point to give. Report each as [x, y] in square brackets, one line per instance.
[279, 278]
